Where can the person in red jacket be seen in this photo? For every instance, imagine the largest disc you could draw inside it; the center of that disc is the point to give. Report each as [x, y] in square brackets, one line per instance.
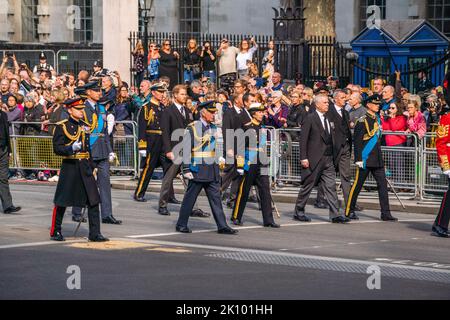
[440, 226]
[395, 121]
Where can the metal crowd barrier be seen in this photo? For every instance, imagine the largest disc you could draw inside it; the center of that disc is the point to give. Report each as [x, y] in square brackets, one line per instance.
[433, 182]
[35, 152]
[402, 163]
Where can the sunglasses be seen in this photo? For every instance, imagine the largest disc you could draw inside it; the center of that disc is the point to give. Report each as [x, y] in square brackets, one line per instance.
[167, 44]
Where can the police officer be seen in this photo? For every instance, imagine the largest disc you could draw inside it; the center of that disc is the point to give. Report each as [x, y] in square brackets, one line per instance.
[101, 152]
[150, 138]
[202, 170]
[76, 185]
[254, 166]
[369, 159]
[440, 226]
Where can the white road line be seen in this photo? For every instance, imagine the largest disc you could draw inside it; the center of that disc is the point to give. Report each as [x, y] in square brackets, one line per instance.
[37, 244]
[284, 254]
[261, 227]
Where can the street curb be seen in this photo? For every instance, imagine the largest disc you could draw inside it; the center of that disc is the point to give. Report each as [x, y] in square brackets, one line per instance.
[412, 206]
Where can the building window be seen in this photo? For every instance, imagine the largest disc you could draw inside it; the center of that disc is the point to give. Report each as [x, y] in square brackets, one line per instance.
[438, 12]
[85, 34]
[190, 17]
[364, 4]
[30, 21]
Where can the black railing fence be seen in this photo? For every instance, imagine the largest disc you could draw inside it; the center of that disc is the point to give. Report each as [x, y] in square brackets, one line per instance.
[308, 62]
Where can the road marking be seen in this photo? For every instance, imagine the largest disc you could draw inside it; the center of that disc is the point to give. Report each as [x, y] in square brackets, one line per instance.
[155, 235]
[37, 244]
[285, 254]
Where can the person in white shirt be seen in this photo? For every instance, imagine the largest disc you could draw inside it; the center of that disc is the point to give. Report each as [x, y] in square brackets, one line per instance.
[245, 54]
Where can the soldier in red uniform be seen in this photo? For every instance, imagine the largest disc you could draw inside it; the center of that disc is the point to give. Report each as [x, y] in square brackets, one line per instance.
[440, 227]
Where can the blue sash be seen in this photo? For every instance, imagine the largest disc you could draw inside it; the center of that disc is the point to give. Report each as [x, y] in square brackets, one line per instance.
[251, 155]
[372, 143]
[100, 110]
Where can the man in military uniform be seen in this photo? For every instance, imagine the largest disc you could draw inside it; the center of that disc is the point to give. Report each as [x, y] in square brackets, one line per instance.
[76, 185]
[369, 159]
[202, 170]
[440, 226]
[254, 166]
[101, 151]
[150, 138]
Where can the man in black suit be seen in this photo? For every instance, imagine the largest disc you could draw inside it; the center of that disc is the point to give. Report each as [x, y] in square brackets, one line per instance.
[316, 150]
[176, 117]
[232, 121]
[340, 118]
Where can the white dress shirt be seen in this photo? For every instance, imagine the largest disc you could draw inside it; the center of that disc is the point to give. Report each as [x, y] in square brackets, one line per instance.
[322, 119]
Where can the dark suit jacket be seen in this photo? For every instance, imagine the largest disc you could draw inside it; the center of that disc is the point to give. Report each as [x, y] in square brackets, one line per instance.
[312, 142]
[5, 142]
[172, 120]
[342, 132]
[231, 121]
[244, 119]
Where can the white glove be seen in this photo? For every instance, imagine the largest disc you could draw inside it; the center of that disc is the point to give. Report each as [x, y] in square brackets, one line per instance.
[143, 153]
[110, 119]
[360, 164]
[240, 171]
[112, 156]
[188, 175]
[76, 146]
[222, 161]
[447, 173]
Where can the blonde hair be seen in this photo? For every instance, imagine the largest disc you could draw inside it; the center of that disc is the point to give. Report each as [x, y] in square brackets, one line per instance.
[59, 96]
[188, 47]
[415, 100]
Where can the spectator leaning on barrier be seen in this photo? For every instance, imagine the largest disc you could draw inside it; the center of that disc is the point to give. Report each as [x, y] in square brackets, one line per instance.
[431, 113]
[416, 121]
[277, 112]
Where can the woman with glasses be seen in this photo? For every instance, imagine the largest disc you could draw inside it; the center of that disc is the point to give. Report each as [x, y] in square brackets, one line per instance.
[168, 66]
[153, 61]
[191, 62]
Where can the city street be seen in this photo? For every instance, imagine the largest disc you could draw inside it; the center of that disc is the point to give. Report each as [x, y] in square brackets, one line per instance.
[147, 259]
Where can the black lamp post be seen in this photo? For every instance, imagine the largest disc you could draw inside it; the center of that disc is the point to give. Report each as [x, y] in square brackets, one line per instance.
[145, 8]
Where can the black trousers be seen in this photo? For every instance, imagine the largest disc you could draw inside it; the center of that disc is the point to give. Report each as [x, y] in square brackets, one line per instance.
[212, 190]
[253, 177]
[152, 161]
[231, 177]
[361, 175]
[93, 216]
[443, 217]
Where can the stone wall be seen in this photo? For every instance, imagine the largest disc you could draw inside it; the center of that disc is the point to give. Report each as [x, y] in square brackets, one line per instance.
[319, 16]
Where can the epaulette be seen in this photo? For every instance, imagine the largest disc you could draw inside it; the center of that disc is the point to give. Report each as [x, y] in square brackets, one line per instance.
[61, 122]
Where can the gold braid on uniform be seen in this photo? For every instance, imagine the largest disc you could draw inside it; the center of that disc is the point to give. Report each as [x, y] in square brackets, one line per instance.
[370, 133]
[71, 137]
[94, 124]
[149, 116]
[202, 140]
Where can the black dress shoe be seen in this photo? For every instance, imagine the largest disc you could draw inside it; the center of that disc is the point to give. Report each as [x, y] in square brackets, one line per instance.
[200, 213]
[183, 229]
[111, 220]
[140, 199]
[12, 209]
[340, 220]
[79, 219]
[272, 225]
[98, 238]
[163, 211]
[388, 217]
[57, 236]
[236, 222]
[302, 218]
[439, 232]
[174, 201]
[227, 230]
[353, 216]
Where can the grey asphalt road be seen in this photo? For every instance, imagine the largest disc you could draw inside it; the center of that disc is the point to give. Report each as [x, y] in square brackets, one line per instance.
[148, 260]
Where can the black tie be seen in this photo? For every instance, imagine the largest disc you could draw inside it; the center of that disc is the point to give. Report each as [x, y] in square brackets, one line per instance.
[327, 129]
[182, 112]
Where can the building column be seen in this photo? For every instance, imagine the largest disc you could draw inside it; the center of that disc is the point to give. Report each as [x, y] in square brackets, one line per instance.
[120, 17]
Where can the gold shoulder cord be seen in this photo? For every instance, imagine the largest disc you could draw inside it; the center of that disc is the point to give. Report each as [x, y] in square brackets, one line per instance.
[202, 140]
[149, 116]
[94, 123]
[71, 137]
[370, 133]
